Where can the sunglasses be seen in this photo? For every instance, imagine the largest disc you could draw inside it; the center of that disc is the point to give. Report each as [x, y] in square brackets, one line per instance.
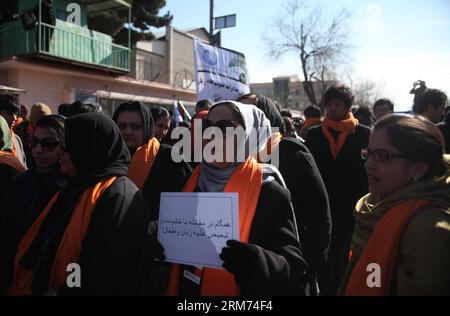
[133, 126]
[222, 125]
[380, 155]
[47, 143]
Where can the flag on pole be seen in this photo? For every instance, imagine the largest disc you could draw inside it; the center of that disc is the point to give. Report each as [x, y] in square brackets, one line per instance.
[177, 112]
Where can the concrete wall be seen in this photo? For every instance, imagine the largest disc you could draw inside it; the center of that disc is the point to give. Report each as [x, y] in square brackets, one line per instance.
[56, 86]
[149, 66]
[182, 64]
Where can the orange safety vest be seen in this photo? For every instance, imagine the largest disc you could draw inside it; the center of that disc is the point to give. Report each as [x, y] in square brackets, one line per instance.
[9, 159]
[142, 162]
[69, 248]
[382, 249]
[246, 180]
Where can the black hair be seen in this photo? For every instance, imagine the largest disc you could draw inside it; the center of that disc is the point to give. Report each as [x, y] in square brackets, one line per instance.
[418, 139]
[382, 102]
[312, 112]
[81, 107]
[435, 97]
[158, 113]
[364, 114]
[7, 103]
[63, 109]
[342, 93]
[203, 105]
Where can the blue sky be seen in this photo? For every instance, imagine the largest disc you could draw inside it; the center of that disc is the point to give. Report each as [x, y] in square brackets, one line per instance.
[396, 42]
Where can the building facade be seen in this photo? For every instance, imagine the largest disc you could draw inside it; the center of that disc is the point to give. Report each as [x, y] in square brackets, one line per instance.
[288, 91]
[67, 61]
[169, 58]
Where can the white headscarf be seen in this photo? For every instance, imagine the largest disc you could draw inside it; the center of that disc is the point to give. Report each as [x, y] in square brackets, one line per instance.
[257, 133]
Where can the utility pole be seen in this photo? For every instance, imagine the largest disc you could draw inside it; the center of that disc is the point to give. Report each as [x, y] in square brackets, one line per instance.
[211, 22]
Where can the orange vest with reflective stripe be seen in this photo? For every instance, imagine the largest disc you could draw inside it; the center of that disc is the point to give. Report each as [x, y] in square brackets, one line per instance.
[246, 181]
[142, 162]
[69, 248]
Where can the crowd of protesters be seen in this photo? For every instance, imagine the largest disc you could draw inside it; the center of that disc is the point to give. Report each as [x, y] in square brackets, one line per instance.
[353, 188]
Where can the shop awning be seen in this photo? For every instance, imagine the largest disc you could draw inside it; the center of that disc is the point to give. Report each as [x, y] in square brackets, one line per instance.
[139, 98]
[10, 90]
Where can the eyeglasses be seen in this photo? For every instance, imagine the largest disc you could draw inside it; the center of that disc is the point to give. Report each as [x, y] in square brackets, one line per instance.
[379, 155]
[47, 143]
[133, 126]
[222, 125]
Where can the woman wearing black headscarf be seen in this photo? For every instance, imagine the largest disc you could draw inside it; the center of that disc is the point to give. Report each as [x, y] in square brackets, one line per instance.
[32, 190]
[152, 168]
[309, 196]
[98, 221]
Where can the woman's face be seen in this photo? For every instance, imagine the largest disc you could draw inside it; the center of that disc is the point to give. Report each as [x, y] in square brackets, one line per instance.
[45, 148]
[67, 167]
[221, 113]
[386, 176]
[162, 125]
[131, 127]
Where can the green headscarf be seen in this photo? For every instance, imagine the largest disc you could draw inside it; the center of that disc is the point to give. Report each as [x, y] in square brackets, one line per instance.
[6, 143]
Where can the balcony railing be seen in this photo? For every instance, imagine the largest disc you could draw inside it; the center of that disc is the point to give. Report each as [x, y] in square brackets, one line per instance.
[65, 40]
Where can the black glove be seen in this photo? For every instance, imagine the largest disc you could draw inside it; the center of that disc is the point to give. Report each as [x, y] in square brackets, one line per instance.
[156, 249]
[240, 259]
[153, 247]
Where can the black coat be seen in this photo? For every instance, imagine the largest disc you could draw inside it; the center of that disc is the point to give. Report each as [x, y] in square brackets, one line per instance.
[165, 176]
[281, 268]
[309, 199]
[30, 194]
[6, 175]
[345, 178]
[112, 253]
[445, 130]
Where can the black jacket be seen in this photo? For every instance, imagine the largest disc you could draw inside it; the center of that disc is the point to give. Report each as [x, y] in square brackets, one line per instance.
[280, 269]
[6, 175]
[345, 178]
[309, 199]
[165, 176]
[30, 194]
[445, 130]
[112, 254]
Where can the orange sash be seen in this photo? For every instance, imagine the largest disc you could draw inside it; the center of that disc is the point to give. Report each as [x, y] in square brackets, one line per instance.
[382, 249]
[344, 127]
[310, 122]
[69, 248]
[9, 159]
[270, 147]
[13, 139]
[142, 162]
[246, 181]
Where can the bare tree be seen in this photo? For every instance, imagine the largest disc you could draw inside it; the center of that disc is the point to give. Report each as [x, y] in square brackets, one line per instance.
[366, 92]
[322, 43]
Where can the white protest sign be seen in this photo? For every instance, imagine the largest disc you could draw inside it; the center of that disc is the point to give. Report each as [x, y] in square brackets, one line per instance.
[221, 74]
[194, 227]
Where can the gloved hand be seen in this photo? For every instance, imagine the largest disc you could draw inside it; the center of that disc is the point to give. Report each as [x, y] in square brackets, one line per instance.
[240, 259]
[153, 247]
[156, 249]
